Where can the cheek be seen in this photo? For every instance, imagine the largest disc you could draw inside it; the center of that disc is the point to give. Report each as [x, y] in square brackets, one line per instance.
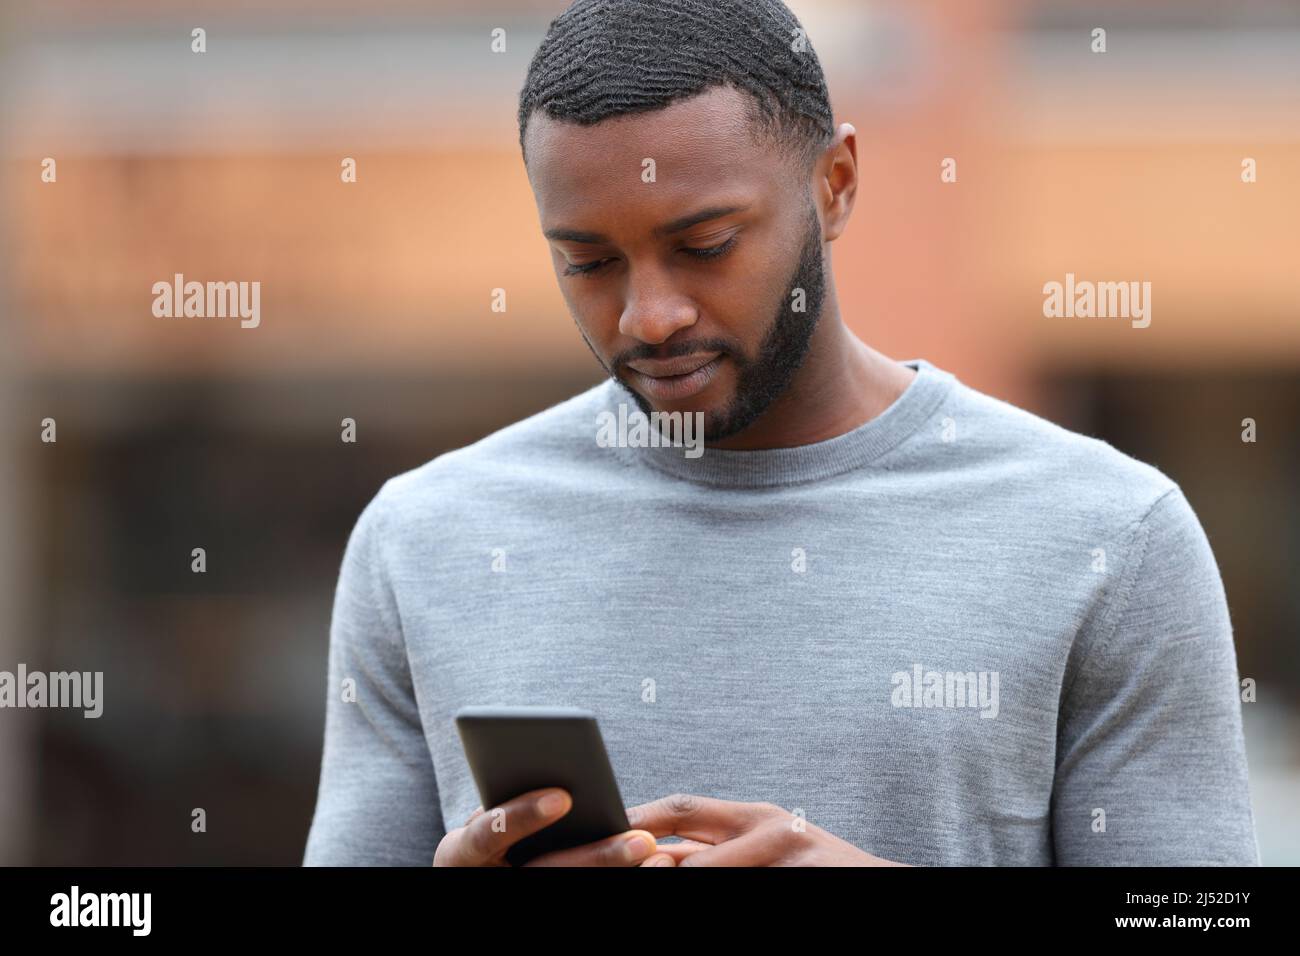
[741, 309]
[753, 283]
[594, 314]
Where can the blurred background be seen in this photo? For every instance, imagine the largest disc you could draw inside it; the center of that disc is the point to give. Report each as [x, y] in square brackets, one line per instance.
[376, 305]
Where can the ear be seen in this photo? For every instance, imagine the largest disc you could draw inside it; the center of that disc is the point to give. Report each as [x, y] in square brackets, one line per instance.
[836, 181]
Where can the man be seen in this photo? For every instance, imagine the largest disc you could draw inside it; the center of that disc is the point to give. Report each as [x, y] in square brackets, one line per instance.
[881, 618]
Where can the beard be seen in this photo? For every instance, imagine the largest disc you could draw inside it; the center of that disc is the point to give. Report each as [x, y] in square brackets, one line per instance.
[762, 379]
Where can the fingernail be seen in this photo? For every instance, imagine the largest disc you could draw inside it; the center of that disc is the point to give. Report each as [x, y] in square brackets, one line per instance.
[663, 861]
[637, 848]
[551, 804]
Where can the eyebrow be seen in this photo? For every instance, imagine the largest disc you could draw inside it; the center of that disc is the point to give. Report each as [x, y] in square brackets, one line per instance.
[561, 234]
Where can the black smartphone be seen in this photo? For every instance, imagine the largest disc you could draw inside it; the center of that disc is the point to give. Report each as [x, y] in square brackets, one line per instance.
[512, 750]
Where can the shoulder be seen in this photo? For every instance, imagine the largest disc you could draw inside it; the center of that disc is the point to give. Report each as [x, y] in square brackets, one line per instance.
[1051, 475]
[542, 448]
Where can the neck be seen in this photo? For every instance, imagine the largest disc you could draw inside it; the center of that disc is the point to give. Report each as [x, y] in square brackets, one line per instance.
[842, 384]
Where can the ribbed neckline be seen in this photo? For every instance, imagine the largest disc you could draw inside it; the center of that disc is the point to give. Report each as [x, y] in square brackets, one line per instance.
[772, 467]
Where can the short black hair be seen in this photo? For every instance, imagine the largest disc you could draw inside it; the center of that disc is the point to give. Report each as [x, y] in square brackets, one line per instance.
[604, 58]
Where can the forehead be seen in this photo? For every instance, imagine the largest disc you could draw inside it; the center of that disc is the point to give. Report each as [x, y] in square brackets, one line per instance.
[703, 148]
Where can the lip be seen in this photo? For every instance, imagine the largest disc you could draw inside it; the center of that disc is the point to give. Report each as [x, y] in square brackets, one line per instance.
[673, 367]
[698, 371]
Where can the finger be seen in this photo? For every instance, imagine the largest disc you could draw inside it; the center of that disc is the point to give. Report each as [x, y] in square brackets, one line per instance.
[755, 848]
[680, 851]
[485, 838]
[477, 811]
[630, 848]
[660, 859]
[700, 818]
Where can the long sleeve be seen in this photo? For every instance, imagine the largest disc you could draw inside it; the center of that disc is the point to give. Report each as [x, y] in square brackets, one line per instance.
[1150, 724]
[377, 802]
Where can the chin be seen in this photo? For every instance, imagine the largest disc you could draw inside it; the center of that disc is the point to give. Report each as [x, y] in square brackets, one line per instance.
[703, 402]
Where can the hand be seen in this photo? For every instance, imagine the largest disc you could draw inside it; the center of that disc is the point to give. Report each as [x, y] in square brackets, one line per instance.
[476, 843]
[726, 833]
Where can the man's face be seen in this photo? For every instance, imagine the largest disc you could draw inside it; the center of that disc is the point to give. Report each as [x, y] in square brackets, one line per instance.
[699, 290]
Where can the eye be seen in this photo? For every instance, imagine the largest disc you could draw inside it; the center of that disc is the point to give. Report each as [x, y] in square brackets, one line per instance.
[586, 268]
[712, 252]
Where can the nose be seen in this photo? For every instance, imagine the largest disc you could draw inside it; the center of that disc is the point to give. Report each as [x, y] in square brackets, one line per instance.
[655, 310]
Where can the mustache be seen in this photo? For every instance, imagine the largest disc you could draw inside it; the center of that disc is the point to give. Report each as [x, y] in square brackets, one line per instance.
[677, 350]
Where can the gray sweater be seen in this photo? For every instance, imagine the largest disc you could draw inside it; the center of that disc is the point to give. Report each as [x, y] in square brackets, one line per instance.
[957, 634]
